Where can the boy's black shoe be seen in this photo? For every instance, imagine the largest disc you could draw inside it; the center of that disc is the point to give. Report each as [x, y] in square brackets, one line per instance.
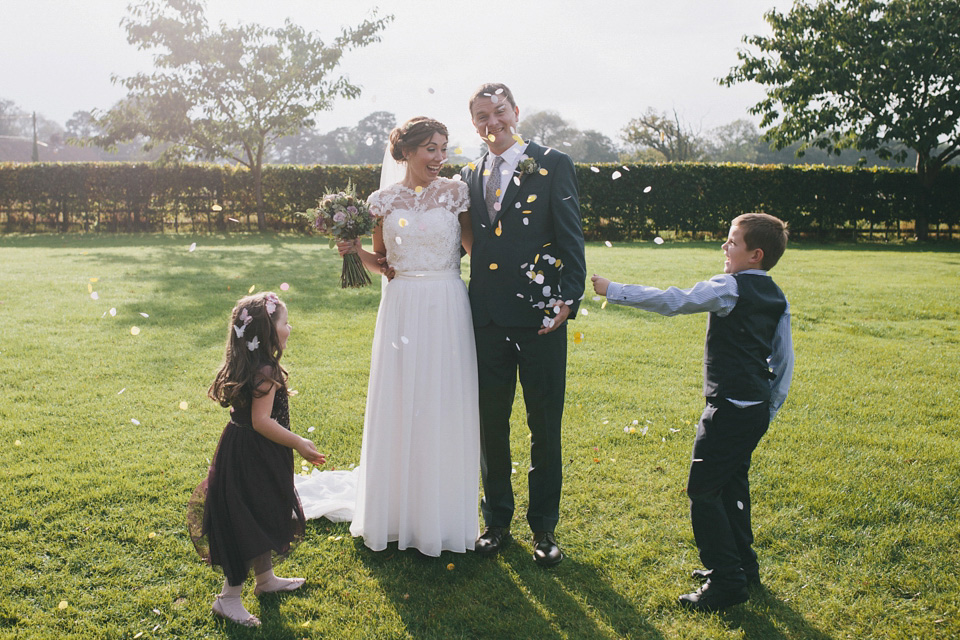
[753, 579]
[492, 540]
[713, 597]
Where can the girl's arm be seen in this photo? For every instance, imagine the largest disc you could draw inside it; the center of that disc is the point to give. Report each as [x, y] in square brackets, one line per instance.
[273, 430]
[466, 231]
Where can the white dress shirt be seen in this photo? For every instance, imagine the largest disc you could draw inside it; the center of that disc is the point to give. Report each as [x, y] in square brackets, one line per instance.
[511, 158]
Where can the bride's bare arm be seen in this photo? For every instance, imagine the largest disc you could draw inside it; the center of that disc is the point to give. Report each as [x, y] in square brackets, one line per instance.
[466, 231]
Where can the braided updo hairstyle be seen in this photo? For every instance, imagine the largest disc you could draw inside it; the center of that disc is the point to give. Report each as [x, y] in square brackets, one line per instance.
[412, 133]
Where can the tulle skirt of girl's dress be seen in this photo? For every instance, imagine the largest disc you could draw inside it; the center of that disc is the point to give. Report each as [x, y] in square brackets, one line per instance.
[247, 505]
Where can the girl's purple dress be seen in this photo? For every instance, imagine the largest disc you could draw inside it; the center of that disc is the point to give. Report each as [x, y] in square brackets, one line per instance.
[247, 505]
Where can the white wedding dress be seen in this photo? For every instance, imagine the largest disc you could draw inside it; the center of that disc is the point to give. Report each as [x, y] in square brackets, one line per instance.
[418, 479]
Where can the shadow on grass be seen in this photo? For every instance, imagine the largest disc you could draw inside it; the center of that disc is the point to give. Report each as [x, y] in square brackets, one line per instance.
[507, 597]
[767, 617]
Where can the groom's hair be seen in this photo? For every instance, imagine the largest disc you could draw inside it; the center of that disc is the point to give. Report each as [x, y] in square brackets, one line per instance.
[412, 133]
[492, 89]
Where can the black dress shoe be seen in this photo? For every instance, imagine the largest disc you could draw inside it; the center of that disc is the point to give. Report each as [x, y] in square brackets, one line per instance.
[546, 552]
[753, 579]
[492, 540]
[714, 597]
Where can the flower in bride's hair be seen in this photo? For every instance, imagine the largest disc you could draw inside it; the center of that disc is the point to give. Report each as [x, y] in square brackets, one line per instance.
[527, 166]
[253, 344]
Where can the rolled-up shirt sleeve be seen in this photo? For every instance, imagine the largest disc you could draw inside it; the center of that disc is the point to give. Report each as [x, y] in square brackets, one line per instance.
[719, 295]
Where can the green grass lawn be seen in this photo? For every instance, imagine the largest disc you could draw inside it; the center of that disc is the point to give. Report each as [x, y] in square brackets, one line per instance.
[855, 485]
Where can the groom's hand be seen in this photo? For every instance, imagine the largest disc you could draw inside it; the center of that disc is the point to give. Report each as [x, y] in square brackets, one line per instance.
[385, 268]
[558, 320]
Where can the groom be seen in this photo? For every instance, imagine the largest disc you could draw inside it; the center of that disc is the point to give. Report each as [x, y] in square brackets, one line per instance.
[527, 275]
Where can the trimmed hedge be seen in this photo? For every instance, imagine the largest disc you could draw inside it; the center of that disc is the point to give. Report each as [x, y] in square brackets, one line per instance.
[681, 199]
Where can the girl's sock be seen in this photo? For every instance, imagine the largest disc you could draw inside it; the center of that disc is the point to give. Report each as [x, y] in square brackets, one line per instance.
[267, 582]
[228, 605]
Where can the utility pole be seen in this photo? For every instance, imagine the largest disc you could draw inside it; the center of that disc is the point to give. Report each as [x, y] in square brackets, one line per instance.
[36, 147]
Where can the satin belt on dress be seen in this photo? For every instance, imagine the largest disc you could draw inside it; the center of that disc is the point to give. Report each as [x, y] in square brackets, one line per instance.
[428, 275]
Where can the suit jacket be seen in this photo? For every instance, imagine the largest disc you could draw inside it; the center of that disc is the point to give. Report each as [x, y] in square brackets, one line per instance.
[502, 290]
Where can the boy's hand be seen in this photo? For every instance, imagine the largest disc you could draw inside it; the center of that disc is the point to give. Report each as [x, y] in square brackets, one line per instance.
[600, 284]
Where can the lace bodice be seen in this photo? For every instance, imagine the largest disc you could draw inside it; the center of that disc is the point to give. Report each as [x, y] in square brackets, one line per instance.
[422, 230]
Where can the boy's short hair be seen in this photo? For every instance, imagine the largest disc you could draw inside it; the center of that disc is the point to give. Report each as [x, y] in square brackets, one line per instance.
[766, 232]
[491, 89]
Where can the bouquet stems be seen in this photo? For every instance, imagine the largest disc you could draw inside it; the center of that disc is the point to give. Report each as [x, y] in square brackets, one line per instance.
[353, 274]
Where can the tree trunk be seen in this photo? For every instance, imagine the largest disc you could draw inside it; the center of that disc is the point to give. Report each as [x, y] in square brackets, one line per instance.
[258, 187]
[927, 172]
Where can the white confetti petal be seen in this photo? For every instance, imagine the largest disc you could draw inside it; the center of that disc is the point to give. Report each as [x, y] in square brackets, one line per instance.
[616, 174]
[608, 243]
[404, 340]
[113, 311]
[193, 246]
[94, 295]
[595, 170]
[144, 314]
[647, 190]
[311, 429]
[739, 505]
[658, 240]
[135, 421]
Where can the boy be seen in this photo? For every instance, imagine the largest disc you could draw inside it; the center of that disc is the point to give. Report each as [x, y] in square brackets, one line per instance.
[747, 366]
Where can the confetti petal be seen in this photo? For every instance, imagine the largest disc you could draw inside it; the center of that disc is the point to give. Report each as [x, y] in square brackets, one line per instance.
[134, 331]
[145, 315]
[543, 172]
[608, 243]
[491, 137]
[418, 189]
[284, 286]
[531, 197]
[493, 266]
[404, 340]
[739, 505]
[63, 605]
[95, 296]
[658, 240]
[233, 220]
[647, 190]
[135, 421]
[402, 222]
[113, 311]
[450, 567]
[17, 443]
[616, 174]
[216, 207]
[595, 170]
[193, 247]
[252, 287]
[458, 151]
[183, 405]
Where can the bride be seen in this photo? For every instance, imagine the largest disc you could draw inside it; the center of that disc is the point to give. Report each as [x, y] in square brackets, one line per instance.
[420, 457]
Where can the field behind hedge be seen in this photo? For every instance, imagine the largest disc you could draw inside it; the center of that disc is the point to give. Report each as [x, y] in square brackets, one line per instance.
[855, 486]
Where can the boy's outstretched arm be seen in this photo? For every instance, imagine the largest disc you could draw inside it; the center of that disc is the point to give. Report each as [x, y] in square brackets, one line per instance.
[600, 284]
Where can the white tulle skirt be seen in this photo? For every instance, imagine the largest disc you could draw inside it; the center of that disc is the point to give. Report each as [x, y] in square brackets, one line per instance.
[418, 478]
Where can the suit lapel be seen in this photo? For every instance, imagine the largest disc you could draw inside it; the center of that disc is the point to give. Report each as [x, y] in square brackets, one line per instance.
[534, 151]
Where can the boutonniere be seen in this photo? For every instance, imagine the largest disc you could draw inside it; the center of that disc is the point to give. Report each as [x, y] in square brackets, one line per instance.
[527, 166]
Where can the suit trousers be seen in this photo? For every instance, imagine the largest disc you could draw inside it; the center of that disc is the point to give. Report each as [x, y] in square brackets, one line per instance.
[541, 362]
[719, 489]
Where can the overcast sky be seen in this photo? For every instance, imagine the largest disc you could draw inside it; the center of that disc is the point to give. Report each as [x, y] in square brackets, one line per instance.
[598, 63]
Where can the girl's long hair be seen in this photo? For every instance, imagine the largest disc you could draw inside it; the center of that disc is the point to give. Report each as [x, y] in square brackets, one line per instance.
[244, 369]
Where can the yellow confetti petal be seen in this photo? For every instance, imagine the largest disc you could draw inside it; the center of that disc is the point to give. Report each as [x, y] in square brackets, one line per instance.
[537, 259]
[94, 279]
[458, 151]
[418, 189]
[183, 405]
[498, 192]
[62, 605]
[543, 172]
[306, 624]
[578, 337]
[517, 137]
[531, 198]
[491, 137]
[17, 443]
[134, 331]
[152, 535]
[493, 266]
[472, 166]
[252, 287]
[526, 212]
[499, 229]
[402, 222]
[604, 305]
[89, 288]
[450, 567]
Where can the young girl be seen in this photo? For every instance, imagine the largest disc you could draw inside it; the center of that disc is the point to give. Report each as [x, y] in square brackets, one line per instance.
[247, 508]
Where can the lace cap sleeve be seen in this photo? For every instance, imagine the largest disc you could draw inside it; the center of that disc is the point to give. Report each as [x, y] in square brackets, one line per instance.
[375, 202]
[459, 194]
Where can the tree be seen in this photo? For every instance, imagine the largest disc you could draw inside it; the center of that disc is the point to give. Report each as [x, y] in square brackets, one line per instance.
[676, 141]
[550, 129]
[862, 74]
[362, 144]
[227, 92]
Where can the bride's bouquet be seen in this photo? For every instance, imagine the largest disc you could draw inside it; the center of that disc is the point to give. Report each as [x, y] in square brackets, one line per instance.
[344, 216]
